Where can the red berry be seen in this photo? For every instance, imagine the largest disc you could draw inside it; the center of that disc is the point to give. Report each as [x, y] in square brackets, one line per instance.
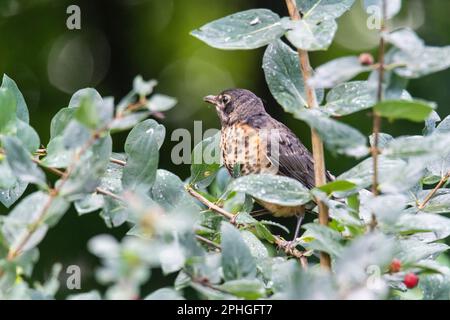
[366, 59]
[411, 280]
[395, 266]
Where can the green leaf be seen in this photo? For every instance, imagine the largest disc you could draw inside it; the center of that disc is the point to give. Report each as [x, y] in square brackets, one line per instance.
[430, 147]
[89, 203]
[19, 160]
[160, 103]
[94, 114]
[142, 147]
[273, 189]
[21, 109]
[411, 251]
[348, 98]
[7, 109]
[338, 137]
[114, 212]
[245, 288]
[237, 261]
[310, 34]
[323, 239]
[415, 110]
[435, 287]
[392, 7]
[205, 161]
[78, 96]
[336, 186]
[243, 30]
[424, 222]
[281, 69]
[337, 71]
[323, 9]
[257, 249]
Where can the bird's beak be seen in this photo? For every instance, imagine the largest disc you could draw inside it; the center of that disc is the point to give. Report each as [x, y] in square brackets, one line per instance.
[210, 99]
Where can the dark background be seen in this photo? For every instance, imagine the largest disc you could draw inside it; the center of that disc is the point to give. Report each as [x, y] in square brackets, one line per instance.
[120, 39]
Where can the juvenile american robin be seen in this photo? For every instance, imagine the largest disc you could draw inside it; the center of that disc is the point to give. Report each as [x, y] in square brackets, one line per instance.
[257, 143]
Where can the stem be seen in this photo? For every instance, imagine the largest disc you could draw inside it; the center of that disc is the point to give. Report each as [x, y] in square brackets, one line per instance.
[231, 218]
[208, 242]
[376, 116]
[433, 192]
[317, 144]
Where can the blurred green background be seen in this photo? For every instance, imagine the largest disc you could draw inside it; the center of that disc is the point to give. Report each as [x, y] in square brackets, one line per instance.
[123, 38]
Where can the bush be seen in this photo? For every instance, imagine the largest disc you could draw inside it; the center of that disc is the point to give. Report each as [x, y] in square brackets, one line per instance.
[377, 243]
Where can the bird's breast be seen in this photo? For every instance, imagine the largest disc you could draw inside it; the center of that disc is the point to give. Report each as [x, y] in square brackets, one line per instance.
[246, 147]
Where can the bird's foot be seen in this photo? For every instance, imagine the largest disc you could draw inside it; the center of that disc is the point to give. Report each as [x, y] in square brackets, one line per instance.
[288, 246]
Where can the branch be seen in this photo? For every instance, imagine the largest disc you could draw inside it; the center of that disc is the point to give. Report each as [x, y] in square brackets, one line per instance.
[376, 116]
[208, 242]
[317, 144]
[231, 218]
[433, 192]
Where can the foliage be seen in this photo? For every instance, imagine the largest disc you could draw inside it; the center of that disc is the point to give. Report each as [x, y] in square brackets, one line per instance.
[202, 230]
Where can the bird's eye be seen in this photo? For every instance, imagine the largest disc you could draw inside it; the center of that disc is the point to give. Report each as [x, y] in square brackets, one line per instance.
[225, 99]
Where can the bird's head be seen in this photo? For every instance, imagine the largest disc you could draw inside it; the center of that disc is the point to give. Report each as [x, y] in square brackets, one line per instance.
[235, 105]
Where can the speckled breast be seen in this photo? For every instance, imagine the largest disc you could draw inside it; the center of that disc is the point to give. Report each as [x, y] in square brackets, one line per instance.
[241, 144]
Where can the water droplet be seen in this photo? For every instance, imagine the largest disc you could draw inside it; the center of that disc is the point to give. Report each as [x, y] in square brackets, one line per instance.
[255, 21]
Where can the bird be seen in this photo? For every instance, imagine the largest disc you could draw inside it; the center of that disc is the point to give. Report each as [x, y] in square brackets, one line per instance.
[255, 143]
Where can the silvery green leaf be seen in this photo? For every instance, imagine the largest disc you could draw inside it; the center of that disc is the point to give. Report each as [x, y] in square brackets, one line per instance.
[430, 60]
[91, 295]
[57, 155]
[28, 136]
[21, 106]
[406, 40]
[60, 121]
[16, 226]
[323, 9]
[169, 192]
[128, 121]
[143, 88]
[281, 69]
[410, 251]
[419, 147]
[75, 135]
[104, 246]
[114, 212]
[273, 189]
[164, 294]
[430, 123]
[337, 71]
[257, 249]
[322, 238]
[309, 34]
[160, 103]
[10, 195]
[205, 161]
[392, 7]
[7, 177]
[86, 174]
[435, 287]
[348, 98]
[237, 260]
[362, 173]
[19, 160]
[383, 140]
[8, 109]
[372, 249]
[89, 203]
[337, 136]
[78, 96]
[424, 222]
[387, 208]
[112, 178]
[142, 147]
[403, 178]
[439, 203]
[172, 258]
[243, 30]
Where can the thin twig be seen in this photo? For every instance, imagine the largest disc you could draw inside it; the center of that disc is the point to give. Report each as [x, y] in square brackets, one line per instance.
[317, 144]
[229, 216]
[207, 241]
[433, 192]
[117, 161]
[376, 116]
